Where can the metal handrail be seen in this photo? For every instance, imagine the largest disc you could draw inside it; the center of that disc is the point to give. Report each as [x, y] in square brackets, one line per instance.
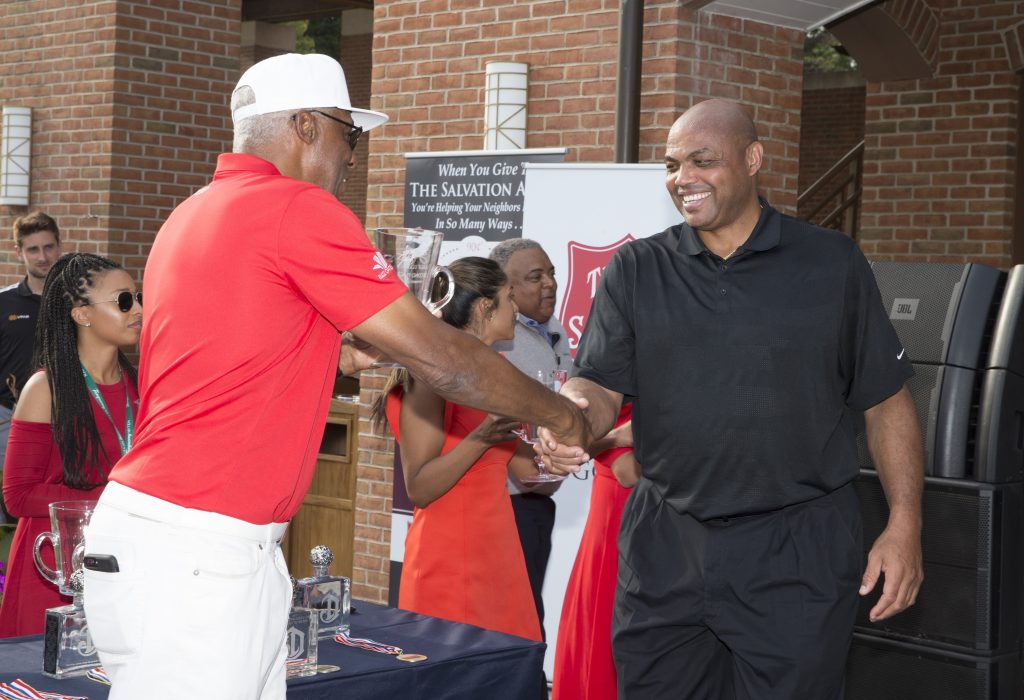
[845, 192]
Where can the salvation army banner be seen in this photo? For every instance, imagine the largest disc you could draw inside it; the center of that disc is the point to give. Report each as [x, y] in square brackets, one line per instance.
[474, 197]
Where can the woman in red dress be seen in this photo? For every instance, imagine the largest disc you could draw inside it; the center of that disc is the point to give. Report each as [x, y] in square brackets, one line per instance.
[583, 651]
[73, 420]
[463, 560]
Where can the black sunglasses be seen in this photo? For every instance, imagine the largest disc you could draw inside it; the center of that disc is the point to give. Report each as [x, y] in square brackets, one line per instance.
[125, 301]
[354, 131]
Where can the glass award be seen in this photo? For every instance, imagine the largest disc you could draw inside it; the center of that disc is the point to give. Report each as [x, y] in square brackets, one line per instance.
[301, 643]
[413, 254]
[67, 647]
[330, 596]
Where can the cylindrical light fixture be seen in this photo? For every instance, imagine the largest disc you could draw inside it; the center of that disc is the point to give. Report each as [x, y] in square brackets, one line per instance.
[15, 155]
[505, 111]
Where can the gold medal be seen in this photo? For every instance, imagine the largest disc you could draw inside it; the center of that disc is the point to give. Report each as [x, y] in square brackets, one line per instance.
[411, 658]
[327, 668]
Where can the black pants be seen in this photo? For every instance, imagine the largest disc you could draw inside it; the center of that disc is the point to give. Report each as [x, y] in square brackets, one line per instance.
[535, 519]
[753, 608]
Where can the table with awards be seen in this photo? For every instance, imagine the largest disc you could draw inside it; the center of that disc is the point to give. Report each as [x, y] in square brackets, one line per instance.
[461, 661]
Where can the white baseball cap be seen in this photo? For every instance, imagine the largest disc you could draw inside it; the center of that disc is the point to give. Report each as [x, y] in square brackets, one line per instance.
[300, 81]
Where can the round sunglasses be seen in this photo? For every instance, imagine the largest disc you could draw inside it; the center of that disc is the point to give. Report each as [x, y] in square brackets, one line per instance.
[125, 301]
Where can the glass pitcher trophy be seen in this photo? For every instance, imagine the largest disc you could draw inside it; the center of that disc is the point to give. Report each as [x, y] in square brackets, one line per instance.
[413, 254]
[67, 535]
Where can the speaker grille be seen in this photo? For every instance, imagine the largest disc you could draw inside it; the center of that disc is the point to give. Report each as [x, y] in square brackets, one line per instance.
[887, 670]
[918, 297]
[970, 534]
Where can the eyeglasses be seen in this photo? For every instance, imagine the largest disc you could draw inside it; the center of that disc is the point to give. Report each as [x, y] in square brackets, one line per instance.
[125, 301]
[354, 131]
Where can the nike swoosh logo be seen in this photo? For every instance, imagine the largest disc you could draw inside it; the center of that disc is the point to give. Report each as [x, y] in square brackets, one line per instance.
[900, 356]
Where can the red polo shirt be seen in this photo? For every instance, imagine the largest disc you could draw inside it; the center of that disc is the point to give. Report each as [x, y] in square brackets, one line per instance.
[247, 286]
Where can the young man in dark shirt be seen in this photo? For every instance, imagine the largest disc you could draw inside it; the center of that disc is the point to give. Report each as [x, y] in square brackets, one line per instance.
[37, 247]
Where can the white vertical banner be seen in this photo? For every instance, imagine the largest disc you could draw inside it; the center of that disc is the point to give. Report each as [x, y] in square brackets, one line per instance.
[581, 213]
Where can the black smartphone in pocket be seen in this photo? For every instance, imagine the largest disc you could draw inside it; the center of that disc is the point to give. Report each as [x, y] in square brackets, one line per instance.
[101, 562]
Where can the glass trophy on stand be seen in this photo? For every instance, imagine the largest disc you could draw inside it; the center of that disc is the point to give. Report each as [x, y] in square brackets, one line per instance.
[301, 641]
[329, 596]
[413, 253]
[67, 647]
[67, 535]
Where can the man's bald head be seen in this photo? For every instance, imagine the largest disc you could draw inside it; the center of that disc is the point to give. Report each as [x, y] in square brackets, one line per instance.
[723, 116]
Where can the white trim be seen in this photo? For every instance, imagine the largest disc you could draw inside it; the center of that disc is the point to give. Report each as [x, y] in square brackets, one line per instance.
[477, 154]
[594, 166]
[839, 14]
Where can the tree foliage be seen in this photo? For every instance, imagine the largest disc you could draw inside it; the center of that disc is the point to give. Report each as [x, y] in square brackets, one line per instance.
[320, 35]
[824, 54]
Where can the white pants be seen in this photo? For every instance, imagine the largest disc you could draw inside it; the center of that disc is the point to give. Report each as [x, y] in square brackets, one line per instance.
[198, 608]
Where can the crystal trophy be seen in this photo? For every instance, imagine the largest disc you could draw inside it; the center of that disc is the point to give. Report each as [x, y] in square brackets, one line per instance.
[67, 647]
[68, 520]
[330, 596]
[300, 643]
[413, 254]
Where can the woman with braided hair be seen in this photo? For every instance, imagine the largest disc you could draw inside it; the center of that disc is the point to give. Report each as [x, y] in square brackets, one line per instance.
[74, 418]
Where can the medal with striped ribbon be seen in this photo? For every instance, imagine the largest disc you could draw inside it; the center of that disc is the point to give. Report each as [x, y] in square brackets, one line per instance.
[375, 646]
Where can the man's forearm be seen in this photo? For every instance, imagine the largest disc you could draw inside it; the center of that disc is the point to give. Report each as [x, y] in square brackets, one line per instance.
[474, 375]
[460, 368]
[895, 444]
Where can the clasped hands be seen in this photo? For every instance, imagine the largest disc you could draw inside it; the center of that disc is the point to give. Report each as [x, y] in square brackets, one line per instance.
[562, 458]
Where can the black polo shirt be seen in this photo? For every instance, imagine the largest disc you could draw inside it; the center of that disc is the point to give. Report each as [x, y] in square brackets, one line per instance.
[742, 370]
[19, 309]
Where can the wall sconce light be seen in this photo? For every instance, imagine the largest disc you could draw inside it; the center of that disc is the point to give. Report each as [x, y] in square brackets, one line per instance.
[505, 110]
[15, 155]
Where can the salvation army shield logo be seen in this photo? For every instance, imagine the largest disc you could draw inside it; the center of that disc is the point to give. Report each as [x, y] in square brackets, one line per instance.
[586, 263]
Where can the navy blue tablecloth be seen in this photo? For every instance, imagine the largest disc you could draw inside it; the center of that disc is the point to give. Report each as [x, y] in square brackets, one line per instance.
[462, 662]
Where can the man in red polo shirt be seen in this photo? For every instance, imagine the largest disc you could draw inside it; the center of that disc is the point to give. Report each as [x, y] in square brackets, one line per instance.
[248, 285]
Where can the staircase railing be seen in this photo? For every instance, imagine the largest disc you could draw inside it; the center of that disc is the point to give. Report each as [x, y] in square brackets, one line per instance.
[834, 200]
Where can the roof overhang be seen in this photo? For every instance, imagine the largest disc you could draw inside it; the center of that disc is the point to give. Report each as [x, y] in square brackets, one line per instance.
[798, 14]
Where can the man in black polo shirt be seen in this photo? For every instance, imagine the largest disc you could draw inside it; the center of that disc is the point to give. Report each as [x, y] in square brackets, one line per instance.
[744, 339]
[37, 246]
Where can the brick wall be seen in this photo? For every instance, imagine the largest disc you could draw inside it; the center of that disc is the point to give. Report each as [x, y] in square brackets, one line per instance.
[940, 152]
[58, 60]
[129, 109]
[832, 123]
[357, 60]
[428, 66]
[176, 65]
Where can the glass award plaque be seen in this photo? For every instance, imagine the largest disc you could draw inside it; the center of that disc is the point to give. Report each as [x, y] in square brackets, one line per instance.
[67, 647]
[301, 643]
[330, 596]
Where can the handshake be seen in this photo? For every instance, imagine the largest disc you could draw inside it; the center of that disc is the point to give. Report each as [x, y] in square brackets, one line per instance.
[469, 373]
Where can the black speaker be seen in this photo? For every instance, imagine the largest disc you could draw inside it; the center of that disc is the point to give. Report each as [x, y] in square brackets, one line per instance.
[1000, 433]
[886, 669]
[940, 311]
[944, 315]
[962, 326]
[971, 543]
